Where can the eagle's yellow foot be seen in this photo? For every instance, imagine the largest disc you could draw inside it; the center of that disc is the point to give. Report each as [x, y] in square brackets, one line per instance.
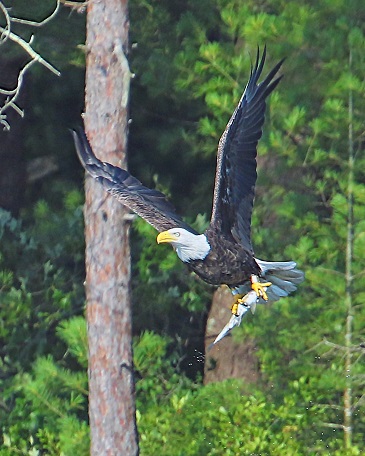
[259, 287]
[236, 302]
[238, 299]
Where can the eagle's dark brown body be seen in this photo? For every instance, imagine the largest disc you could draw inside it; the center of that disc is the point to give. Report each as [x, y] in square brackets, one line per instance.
[227, 262]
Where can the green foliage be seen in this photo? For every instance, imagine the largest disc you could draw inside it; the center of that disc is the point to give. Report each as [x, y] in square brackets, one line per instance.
[52, 402]
[191, 63]
[159, 377]
[73, 333]
[38, 280]
[226, 419]
[40, 264]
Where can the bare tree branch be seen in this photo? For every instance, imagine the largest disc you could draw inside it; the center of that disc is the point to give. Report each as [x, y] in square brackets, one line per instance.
[332, 425]
[12, 96]
[359, 402]
[78, 6]
[28, 48]
[7, 34]
[42, 22]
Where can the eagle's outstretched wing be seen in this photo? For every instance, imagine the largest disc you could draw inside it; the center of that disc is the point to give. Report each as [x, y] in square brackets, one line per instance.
[151, 205]
[235, 178]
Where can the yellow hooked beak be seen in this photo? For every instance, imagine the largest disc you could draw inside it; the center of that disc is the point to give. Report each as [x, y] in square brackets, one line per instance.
[165, 236]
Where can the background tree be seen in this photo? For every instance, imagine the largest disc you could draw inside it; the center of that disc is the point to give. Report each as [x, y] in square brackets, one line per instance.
[111, 380]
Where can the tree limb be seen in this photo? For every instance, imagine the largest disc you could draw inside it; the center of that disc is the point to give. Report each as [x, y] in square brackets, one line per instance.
[28, 48]
[7, 34]
[42, 22]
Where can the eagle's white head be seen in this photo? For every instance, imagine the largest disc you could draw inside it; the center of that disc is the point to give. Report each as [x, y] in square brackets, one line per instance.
[188, 246]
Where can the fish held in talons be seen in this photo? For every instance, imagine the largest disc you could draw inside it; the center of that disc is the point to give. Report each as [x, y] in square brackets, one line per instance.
[241, 306]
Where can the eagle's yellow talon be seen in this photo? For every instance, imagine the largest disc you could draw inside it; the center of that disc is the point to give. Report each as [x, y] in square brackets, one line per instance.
[234, 308]
[260, 289]
[238, 299]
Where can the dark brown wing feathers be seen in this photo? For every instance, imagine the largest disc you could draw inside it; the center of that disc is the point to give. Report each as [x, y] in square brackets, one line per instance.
[236, 159]
[150, 204]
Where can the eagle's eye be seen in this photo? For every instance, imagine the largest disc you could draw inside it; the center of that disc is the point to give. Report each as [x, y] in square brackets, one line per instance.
[177, 234]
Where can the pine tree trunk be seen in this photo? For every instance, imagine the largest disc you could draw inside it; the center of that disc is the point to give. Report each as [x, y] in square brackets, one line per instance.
[111, 398]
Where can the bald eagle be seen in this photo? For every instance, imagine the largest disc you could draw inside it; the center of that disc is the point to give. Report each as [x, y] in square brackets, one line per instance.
[223, 254]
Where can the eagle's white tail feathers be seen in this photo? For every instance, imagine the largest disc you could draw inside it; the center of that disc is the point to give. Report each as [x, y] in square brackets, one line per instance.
[283, 275]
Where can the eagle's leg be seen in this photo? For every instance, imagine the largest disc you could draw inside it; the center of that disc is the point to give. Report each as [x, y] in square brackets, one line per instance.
[259, 287]
[238, 299]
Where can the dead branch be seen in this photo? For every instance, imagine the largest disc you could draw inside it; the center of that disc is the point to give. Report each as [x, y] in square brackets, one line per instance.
[28, 48]
[42, 22]
[7, 34]
[78, 6]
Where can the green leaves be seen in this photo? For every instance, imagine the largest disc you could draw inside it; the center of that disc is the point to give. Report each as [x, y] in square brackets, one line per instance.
[52, 401]
[37, 290]
[73, 333]
[191, 63]
[223, 419]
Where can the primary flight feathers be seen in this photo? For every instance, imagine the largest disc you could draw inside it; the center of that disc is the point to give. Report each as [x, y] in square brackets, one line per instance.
[150, 204]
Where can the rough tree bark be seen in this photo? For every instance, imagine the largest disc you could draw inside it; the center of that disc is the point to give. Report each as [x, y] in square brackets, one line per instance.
[111, 385]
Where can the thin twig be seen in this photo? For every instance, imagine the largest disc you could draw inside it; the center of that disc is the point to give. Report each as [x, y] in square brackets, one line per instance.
[33, 54]
[359, 402]
[353, 349]
[330, 271]
[5, 35]
[331, 406]
[20, 80]
[35, 23]
[75, 5]
[332, 425]
[12, 96]
[334, 347]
